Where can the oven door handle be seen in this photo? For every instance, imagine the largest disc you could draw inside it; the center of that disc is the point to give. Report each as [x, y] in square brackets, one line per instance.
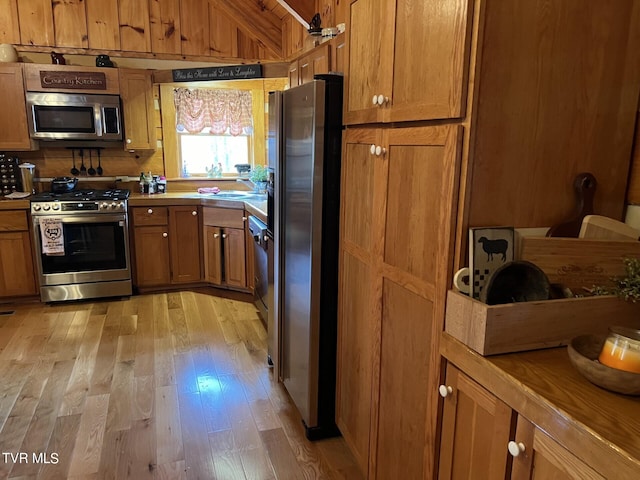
[99, 218]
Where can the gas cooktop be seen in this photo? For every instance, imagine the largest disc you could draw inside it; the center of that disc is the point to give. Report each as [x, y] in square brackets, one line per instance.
[82, 195]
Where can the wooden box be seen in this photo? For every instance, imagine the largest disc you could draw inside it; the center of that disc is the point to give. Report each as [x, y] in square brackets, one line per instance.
[515, 327]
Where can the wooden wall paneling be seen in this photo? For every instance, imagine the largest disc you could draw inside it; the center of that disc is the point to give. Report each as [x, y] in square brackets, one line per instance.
[247, 46]
[164, 16]
[293, 35]
[194, 24]
[103, 25]
[260, 25]
[633, 188]
[135, 30]
[36, 22]
[326, 9]
[10, 26]
[303, 8]
[223, 34]
[560, 95]
[70, 21]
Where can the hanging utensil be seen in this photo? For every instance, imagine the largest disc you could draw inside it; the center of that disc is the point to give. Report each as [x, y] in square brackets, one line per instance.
[91, 171]
[584, 186]
[83, 169]
[74, 170]
[99, 170]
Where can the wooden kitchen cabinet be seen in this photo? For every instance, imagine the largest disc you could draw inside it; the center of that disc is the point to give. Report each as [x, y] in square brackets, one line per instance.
[167, 245]
[476, 430]
[315, 62]
[136, 92]
[396, 244]
[407, 61]
[225, 247]
[14, 129]
[544, 458]
[16, 257]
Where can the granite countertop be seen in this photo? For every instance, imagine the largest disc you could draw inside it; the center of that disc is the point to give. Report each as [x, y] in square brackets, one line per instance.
[255, 204]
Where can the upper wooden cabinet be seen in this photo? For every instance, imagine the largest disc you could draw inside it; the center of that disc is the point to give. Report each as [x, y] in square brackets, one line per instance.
[14, 129]
[305, 67]
[136, 92]
[407, 60]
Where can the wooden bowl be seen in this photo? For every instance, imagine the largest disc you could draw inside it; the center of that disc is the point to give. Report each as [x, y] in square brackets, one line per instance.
[583, 353]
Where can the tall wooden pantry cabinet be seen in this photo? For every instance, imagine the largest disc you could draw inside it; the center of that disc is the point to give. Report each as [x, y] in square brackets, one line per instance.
[459, 113]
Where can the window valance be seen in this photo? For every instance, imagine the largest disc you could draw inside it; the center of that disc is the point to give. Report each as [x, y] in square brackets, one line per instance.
[222, 111]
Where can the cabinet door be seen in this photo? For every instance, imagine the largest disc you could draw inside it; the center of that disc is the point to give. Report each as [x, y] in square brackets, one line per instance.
[338, 60]
[294, 74]
[16, 265]
[358, 314]
[184, 234]
[476, 428]
[152, 256]
[370, 53]
[431, 57]
[420, 191]
[235, 274]
[317, 61]
[136, 91]
[543, 458]
[14, 130]
[213, 255]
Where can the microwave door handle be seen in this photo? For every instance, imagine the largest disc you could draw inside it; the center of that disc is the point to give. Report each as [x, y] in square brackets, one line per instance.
[98, 113]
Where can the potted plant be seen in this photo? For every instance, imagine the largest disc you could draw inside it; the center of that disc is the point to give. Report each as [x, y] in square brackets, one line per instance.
[627, 287]
[259, 176]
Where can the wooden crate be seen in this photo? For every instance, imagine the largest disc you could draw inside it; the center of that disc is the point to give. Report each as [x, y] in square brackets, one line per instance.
[516, 327]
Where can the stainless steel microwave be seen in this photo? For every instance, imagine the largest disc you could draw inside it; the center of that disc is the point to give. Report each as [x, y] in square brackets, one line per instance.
[74, 116]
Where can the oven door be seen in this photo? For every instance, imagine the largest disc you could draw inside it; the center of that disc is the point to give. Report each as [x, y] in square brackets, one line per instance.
[96, 249]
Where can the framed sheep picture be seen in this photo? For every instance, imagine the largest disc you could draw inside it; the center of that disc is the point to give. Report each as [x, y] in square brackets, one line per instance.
[489, 249]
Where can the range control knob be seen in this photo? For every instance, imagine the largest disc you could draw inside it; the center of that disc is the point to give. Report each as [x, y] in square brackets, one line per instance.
[121, 205]
[114, 205]
[55, 207]
[46, 207]
[104, 205]
[36, 207]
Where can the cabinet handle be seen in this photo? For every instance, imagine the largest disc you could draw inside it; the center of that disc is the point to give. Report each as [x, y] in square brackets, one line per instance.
[265, 238]
[165, 234]
[224, 235]
[216, 235]
[445, 390]
[382, 99]
[128, 140]
[194, 213]
[380, 151]
[150, 211]
[244, 219]
[374, 100]
[516, 448]
[372, 149]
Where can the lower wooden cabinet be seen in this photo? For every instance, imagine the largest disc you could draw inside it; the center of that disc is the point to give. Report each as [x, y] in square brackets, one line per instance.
[16, 257]
[225, 247]
[482, 437]
[476, 430]
[167, 245]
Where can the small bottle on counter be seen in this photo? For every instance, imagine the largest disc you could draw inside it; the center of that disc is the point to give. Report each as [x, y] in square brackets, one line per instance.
[142, 182]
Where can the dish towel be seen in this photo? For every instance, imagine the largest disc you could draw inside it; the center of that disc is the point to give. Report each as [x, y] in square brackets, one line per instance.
[52, 236]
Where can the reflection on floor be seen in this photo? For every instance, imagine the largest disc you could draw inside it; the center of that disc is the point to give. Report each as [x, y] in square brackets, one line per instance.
[163, 386]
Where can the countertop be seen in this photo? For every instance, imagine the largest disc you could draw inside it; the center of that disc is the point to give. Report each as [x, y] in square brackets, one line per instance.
[21, 204]
[255, 205]
[544, 387]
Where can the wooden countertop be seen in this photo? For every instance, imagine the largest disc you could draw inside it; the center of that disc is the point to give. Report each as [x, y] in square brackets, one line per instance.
[602, 428]
[22, 204]
[255, 206]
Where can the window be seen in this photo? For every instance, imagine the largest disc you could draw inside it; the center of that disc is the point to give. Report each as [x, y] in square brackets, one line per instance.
[214, 129]
[210, 155]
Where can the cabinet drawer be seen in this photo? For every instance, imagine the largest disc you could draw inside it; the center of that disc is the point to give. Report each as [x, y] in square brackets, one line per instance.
[13, 221]
[143, 216]
[223, 217]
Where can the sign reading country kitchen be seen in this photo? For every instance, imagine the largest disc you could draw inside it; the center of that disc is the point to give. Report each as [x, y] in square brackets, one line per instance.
[73, 80]
[234, 72]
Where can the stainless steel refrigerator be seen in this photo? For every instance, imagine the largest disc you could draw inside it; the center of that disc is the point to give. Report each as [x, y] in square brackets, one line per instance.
[306, 221]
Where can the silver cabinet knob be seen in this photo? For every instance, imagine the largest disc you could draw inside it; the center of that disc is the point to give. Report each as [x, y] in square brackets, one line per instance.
[150, 211]
[165, 234]
[445, 391]
[515, 448]
[194, 213]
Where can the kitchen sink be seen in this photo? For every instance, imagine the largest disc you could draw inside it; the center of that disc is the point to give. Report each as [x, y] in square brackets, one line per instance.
[236, 195]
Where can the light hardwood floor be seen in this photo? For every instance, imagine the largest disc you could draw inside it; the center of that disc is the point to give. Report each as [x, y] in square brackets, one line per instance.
[162, 386]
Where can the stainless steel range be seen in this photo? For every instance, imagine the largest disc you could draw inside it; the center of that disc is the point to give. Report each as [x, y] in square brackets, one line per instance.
[82, 244]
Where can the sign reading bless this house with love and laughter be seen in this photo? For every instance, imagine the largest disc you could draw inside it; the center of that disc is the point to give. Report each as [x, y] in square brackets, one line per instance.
[236, 72]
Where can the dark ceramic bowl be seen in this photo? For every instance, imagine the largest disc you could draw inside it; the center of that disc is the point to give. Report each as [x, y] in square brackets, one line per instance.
[518, 281]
